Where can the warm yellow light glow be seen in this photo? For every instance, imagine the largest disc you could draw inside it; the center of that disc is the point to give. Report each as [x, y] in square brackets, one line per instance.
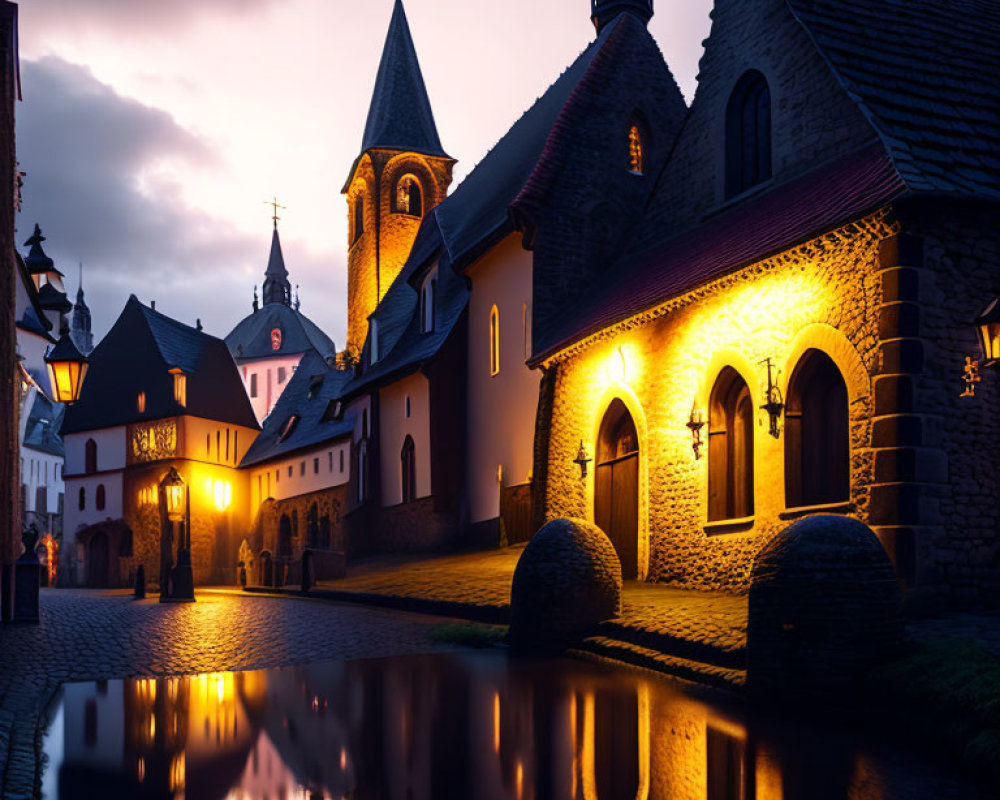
[494, 340]
[222, 495]
[66, 379]
[180, 387]
[140, 403]
[141, 770]
[175, 500]
[177, 770]
[519, 780]
[618, 366]
[496, 722]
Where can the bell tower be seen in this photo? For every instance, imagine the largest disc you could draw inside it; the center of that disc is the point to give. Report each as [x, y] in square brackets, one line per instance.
[402, 173]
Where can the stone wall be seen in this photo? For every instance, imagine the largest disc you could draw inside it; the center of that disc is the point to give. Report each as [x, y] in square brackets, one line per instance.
[825, 294]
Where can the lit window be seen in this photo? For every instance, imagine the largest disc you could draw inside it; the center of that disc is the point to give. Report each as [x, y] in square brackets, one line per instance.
[635, 156]
[359, 217]
[289, 427]
[180, 387]
[409, 197]
[141, 403]
[494, 341]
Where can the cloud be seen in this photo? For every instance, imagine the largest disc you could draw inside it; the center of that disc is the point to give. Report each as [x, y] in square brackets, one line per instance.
[107, 179]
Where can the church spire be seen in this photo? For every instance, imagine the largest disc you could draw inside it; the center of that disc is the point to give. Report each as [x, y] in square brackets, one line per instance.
[604, 11]
[400, 116]
[277, 289]
[80, 331]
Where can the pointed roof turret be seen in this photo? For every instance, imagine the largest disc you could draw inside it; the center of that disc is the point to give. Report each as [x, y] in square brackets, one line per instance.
[277, 289]
[604, 11]
[400, 116]
[80, 326]
[36, 261]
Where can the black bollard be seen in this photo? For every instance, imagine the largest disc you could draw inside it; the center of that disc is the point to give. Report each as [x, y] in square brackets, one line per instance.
[140, 583]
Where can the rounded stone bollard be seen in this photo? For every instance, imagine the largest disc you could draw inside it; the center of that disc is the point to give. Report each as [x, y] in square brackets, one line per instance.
[567, 580]
[824, 607]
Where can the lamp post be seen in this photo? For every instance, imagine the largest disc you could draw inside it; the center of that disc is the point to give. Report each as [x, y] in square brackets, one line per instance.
[176, 581]
[67, 367]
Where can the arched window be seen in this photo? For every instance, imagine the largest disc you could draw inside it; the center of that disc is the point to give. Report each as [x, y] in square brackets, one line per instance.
[312, 525]
[730, 448]
[427, 294]
[817, 434]
[99, 499]
[409, 467]
[494, 340]
[83, 498]
[748, 134]
[363, 471]
[90, 457]
[635, 154]
[359, 216]
[409, 197]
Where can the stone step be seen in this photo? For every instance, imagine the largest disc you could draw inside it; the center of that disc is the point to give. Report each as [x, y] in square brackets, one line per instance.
[710, 674]
[724, 654]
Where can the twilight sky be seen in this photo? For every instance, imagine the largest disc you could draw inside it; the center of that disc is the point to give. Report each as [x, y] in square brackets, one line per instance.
[152, 131]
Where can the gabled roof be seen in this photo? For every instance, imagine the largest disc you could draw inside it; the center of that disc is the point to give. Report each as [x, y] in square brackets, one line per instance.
[400, 116]
[41, 432]
[137, 355]
[314, 377]
[926, 76]
[250, 340]
[789, 214]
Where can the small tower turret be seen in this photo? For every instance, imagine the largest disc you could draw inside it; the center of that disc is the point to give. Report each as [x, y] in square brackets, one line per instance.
[80, 331]
[604, 11]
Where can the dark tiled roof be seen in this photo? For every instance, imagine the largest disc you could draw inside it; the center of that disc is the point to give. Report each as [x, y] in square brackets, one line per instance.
[400, 116]
[51, 298]
[42, 428]
[137, 356]
[788, 214]
[312, 429]
[33, 319]
[927, 75]
[36, 260]
[251, 338]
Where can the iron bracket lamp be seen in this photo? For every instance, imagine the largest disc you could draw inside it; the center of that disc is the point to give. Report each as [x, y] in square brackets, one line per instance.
[67, 367]
[774, 403]
[988, 329]
[695, 424]
[582, 459]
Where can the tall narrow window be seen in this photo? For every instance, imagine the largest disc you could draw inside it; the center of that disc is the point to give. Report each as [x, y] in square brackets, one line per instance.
[362, 471]
[494, 341]
[427, 294]
[409, 197]
[99, 498]
[730, 448]
[373, 340]
[82, 499]
[409, 470]
[359, 216]
[635, 154]
[253, 384]
[817, 434]
[748, 134]
[90, 457]
[140, 403]
[180, 387]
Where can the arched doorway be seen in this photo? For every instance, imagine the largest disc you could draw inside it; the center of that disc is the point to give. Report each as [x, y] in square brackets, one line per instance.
[97, 561]
[616, 485]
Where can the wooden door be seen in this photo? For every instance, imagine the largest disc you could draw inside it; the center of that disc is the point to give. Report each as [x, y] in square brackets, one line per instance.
[97, 562]
[616, 486]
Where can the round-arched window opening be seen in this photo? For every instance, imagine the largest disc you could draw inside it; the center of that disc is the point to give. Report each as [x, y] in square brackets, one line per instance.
[409, 197]
[636, 155]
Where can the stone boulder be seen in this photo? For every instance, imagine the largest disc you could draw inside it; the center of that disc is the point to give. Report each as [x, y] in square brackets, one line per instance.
[824, 607]
[567, 580]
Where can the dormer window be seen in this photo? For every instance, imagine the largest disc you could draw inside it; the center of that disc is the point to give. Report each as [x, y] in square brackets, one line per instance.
[359, 217]
[409, 197]
[289, 428]
[635, 154]
[428, 293]
[180, 387]
[315, 384]
[334, 411]
[373, 340]
[748, 134]
[140, 403]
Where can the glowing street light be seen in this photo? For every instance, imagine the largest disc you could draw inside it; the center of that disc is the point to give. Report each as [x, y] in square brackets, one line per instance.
[67, 367]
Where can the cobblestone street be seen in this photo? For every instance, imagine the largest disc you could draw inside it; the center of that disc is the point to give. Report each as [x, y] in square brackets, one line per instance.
[88, 635]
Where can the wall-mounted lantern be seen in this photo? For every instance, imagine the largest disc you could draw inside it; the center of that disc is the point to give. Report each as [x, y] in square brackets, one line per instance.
[582, 459]
[774, 403]
[988, 327]
[695, 424]
[67, 367]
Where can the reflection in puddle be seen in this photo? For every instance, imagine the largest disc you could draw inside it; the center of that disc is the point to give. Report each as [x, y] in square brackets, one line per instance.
[446, 726]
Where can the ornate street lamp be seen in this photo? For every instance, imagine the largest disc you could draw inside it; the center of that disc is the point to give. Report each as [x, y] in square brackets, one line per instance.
[774, 403]
[67, 368]
[176, 582]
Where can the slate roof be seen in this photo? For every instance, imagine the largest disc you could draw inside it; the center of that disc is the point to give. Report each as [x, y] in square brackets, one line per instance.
[276, 286]
[137, 355]
[36, 260]
[927, 76]
[251, 338]
[41, 431]
[50, 297]
[400, 115]
[33, 319]
[791, 213]
[470, 220]
[311, 429]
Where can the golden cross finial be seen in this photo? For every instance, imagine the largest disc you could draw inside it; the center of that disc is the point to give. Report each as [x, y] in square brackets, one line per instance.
[275, 206]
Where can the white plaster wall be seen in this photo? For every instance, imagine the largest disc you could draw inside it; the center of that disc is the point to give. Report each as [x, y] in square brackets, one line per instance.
[269, 389]
[75, 518]
[394, 426]
[501, 407]
[41, 469]
[111, 449]
[272, 479]
[206, 440]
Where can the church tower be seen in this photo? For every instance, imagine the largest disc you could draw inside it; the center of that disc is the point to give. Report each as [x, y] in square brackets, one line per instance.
[79, 330]
[402, 173]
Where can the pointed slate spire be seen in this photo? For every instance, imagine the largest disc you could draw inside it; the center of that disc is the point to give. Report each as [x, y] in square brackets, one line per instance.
[604, 11]
[277, 289]
[36, 261]
[400, 116]
[80, 327]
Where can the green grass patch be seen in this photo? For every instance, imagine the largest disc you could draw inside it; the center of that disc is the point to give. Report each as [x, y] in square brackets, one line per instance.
[470, 634]
[948, 695]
